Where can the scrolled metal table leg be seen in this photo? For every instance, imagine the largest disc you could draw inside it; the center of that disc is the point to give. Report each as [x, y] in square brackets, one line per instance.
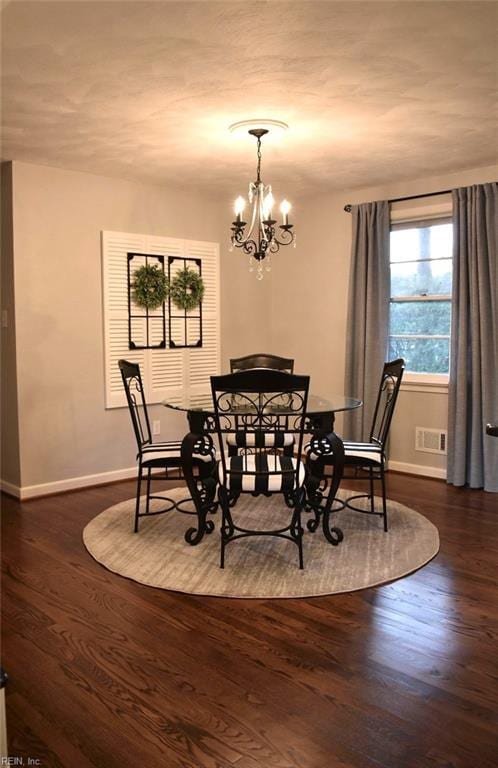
[203, 496]
[315, 487]
[333, 534]
[325, 444]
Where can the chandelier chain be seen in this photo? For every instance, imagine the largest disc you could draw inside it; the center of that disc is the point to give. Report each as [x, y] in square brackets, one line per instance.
[258, 170]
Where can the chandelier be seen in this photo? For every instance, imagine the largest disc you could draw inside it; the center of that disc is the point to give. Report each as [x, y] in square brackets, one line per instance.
[260, 238]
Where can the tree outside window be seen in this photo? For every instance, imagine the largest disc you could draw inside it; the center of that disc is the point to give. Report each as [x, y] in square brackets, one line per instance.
[420, 307]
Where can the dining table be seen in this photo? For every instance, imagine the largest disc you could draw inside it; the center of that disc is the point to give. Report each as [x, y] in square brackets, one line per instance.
[199, 408]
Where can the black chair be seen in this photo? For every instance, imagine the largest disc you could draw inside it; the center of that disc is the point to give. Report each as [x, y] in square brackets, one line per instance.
[152, 456]
[248, 407]
[370, 457]
[262, 360]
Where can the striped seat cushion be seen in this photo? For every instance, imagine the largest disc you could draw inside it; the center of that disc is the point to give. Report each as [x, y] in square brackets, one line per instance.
[171, 451]
[261, 473]
[260, 439]
[371, 453]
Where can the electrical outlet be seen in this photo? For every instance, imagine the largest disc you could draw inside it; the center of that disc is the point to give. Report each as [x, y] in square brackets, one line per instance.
[5, 319]
[156, 427]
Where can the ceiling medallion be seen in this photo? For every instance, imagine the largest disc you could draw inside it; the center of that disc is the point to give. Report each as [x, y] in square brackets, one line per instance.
[261, 238]
[247, 125]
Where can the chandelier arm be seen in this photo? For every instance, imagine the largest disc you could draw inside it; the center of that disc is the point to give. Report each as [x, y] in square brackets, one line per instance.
[244, 235]
[247, 245]
[237, 238]
[286, 238]
[263, 234]
[256, 229]
[251, 248]
[255, 208]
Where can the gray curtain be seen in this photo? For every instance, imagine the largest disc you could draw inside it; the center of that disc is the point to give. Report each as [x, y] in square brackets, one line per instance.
[473, 388]
[368, 313]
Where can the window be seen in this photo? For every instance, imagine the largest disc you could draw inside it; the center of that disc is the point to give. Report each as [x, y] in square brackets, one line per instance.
[420, 308]
[165, 372]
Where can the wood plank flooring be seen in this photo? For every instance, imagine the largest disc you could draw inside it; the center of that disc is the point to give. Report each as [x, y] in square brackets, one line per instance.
[107, 673]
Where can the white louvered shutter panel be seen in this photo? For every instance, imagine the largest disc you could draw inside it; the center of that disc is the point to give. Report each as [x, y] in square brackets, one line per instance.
[115, 247]
[204, 361]
[167, 374]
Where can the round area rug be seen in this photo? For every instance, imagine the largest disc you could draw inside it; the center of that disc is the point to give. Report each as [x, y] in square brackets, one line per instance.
[261, 566]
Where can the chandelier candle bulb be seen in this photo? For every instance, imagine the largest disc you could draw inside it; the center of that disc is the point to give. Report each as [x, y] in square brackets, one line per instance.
[239, 206]
[285, 207]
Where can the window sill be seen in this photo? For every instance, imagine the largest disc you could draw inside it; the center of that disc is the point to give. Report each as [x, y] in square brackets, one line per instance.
[436, 383]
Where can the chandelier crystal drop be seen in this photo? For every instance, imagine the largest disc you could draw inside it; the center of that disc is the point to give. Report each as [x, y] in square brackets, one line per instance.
[260, 238]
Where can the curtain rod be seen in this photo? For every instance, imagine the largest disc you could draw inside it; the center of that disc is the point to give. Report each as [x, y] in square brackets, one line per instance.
[349, 207]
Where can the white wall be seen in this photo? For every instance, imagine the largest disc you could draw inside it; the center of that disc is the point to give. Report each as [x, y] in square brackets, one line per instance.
[309, 306]
[246, 303]
[64, 430]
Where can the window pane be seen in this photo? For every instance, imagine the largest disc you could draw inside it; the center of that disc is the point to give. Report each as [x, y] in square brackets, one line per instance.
[421, 317]
[421, 265]
[431, 242]
[418, 278]
[422, 355]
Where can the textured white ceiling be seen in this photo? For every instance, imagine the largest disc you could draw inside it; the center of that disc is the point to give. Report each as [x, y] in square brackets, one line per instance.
[373, 91]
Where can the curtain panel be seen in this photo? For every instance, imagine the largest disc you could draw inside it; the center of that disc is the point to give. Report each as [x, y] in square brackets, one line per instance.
[473, 387]
[368, 313]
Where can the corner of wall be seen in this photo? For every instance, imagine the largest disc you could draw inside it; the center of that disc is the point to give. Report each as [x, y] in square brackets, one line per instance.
[10, 457]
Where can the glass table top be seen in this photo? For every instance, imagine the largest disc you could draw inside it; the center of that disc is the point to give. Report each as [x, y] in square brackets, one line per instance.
[203, 402]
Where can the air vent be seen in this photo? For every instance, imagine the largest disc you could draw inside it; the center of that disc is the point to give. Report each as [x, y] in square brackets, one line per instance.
[430, 440]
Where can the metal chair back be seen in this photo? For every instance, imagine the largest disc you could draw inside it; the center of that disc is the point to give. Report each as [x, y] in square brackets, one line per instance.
[135, 397]
[261, 408]
[390, 383]
[262, 360]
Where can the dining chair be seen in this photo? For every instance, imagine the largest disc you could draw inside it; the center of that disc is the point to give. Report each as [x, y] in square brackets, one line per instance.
[262, 360]
[253, 399]
[370, 457]
[153, 456]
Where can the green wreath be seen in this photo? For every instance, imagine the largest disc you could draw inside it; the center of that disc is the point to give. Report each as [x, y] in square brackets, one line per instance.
[149, 287]
[186, 289]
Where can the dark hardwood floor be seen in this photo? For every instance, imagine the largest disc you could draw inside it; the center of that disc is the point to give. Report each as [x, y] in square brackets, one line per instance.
[108, 673]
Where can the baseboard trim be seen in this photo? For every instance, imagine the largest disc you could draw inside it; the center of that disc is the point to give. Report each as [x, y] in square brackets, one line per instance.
[10, 488]
[73, 483]
[417, 469]
[60, 486]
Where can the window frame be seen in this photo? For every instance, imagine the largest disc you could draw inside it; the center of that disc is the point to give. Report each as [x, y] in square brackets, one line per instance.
[406, 218]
